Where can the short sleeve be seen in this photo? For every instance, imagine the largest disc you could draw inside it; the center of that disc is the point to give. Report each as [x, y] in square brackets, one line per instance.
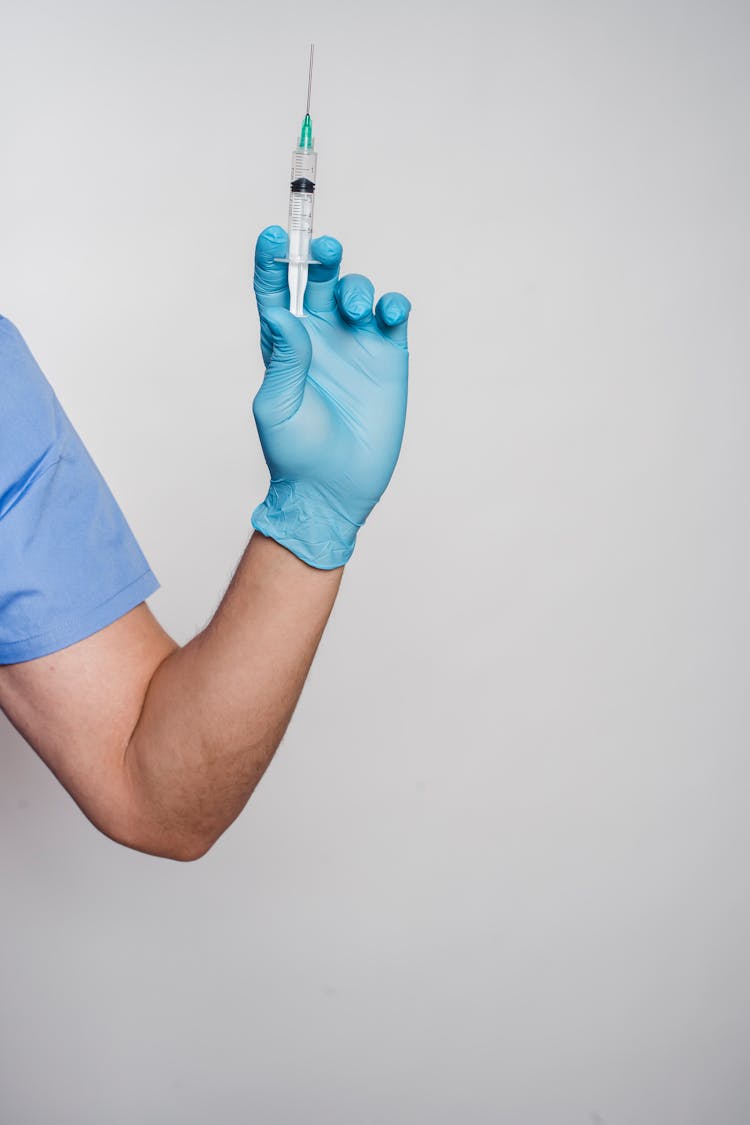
[69, 563]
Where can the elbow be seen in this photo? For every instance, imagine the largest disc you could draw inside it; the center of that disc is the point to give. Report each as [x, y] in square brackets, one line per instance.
[184, 853]
[189, 851]
[181, 834]
[183, 849]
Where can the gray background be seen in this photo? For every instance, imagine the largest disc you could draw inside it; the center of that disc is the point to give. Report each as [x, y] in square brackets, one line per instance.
[498, 871]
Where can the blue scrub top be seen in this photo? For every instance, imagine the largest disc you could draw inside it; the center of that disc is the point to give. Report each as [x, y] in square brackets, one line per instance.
[69, 563]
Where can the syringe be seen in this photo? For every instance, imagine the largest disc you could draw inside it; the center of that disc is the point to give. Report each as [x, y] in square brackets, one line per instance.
[301, 197]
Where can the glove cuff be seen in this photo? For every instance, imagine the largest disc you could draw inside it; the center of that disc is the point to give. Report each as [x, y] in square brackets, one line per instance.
[306, 525]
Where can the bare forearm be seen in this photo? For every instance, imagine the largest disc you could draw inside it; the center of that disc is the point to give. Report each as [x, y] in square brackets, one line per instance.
[216, 710]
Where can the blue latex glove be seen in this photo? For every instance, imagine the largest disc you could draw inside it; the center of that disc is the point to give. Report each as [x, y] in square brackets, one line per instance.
[330, 412]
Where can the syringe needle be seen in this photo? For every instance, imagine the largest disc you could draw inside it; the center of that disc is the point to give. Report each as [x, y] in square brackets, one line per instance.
[309, 79]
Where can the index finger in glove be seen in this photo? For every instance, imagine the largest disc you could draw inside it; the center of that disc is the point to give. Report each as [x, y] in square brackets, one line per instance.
[270, 279]
[322, 278]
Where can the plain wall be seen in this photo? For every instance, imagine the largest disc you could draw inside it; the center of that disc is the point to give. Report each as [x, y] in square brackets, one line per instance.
[498, 871]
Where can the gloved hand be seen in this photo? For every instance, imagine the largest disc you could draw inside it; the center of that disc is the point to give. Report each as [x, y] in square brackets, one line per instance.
[330, 412]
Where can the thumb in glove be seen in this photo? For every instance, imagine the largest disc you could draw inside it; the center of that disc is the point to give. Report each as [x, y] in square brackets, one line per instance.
[283, 385]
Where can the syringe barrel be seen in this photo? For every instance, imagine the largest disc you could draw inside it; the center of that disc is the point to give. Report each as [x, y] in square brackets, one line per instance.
[300, 218]
[301, 200]
[304, 164]
[301, 196]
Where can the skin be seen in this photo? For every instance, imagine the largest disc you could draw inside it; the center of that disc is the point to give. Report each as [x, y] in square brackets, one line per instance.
[161, 746]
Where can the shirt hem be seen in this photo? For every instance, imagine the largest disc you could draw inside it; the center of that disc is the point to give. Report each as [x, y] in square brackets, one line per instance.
[81, 625]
